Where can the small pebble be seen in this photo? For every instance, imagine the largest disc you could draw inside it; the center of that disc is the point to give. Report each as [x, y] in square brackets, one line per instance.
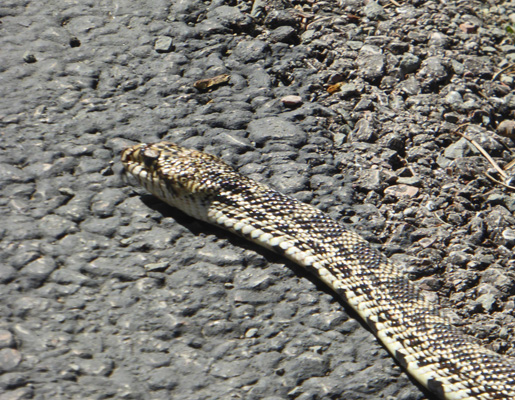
[163, 44]
[6, 339]
[9, 359]
[401, 191]
[468, 27]
[291, 101]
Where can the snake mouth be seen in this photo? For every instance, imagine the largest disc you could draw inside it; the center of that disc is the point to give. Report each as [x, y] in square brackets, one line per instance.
[126, 159]
[132, 155]
[138, 164]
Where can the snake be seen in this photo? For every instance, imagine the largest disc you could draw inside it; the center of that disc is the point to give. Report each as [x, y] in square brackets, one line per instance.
[445, 360]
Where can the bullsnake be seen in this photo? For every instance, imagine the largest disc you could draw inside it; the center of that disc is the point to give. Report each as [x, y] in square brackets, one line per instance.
[437, 354]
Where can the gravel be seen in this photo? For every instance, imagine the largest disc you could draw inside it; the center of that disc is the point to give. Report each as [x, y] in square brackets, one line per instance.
[350, 106]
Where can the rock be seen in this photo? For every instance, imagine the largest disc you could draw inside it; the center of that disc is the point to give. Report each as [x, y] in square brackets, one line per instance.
[231, 17]
[277, 18]
[401, 191]
[410, 86]
[37, 271]
[9, 174]
[7, 274]
[6, 339]
[409, 63]
[468, 27]
[363, 131]
[275, 129]
[487, 302]
[433, 71]
[162, 378]
[509, 235]
[453, 98]
[506, 128]
[374, 11]
[371, 67]
[9, 359]
[157, 267]
[251, 50]
[306, 366]
[370, 180]
[163, 44]
[56, 226]
[291, 101]
[104, 203]
[30, 58]
[439, 39]
[458, 149]
[348, 90]
[478, 66]
[284, 34]
[398, 47]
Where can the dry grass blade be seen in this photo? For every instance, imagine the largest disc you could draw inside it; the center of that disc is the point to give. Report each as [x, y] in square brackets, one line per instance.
[497, 74]
[482, 151]
[498, 181]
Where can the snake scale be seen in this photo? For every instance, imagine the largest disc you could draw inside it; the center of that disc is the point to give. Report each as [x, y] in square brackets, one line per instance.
[438, 355]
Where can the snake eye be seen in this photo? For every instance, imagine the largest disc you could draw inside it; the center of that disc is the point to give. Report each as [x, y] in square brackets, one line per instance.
[149, 156]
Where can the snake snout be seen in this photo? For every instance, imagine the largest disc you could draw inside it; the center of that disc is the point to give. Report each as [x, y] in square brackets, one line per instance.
[132, 154]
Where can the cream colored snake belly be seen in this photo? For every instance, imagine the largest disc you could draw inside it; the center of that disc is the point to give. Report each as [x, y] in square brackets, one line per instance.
[437, 354]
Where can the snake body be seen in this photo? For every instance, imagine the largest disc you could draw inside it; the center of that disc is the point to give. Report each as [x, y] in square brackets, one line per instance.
[437, 354]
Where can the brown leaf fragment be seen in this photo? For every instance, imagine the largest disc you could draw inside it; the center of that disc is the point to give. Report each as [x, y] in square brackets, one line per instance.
[209, 83]
[334, 88]
[353, 18]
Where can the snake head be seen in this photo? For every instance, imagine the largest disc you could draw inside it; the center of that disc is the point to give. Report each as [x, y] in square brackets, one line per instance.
[184, 178]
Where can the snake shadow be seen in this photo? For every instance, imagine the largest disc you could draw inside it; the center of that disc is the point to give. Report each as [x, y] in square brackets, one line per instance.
[197, 227]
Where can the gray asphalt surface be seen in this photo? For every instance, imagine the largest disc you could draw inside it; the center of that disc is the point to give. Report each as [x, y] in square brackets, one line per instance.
[107, 293]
